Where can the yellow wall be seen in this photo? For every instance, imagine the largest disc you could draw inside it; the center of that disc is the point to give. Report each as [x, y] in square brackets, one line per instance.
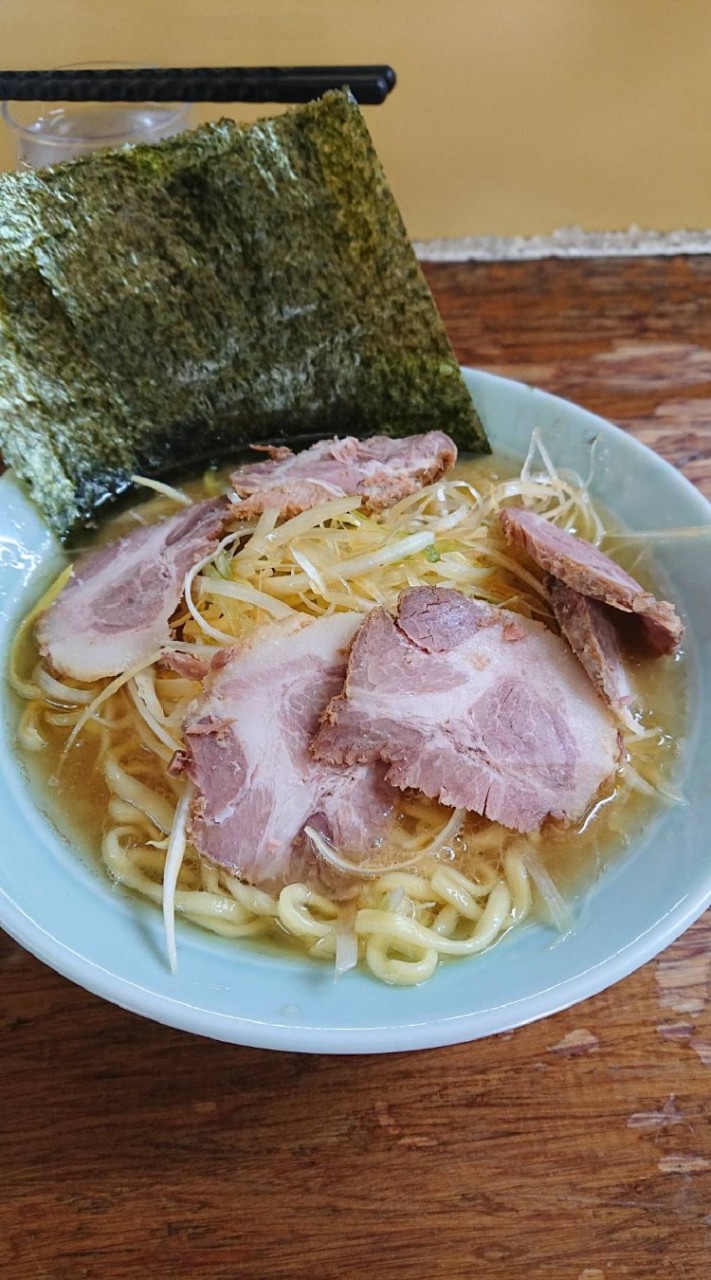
[510, 116]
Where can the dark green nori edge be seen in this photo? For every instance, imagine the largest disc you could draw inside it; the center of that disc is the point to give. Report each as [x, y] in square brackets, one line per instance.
[233, 284]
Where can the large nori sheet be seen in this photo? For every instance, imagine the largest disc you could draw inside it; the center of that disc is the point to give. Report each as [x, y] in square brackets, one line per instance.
[233, 284]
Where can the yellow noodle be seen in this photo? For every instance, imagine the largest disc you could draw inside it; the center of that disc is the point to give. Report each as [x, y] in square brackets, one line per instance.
[145, 800]
[391, 925]
[394, 969]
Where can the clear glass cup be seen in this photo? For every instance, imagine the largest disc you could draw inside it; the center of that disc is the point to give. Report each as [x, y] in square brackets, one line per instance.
[47, 132]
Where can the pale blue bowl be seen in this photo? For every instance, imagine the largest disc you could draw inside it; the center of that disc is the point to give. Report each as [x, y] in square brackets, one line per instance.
[67, 913]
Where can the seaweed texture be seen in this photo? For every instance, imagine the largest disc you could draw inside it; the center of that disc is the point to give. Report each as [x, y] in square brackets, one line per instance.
[172, 302]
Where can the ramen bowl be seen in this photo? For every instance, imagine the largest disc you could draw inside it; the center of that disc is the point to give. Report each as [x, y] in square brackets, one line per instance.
[58, 903]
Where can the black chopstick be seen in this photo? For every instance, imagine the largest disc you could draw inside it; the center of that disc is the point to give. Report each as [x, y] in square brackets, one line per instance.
[369, 85]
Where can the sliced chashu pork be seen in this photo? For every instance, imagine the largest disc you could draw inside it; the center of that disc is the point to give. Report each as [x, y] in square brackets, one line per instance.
[589, 571]
[474, 706]
[378, 469]
[247, 742]
[115, 610]
[588, 627]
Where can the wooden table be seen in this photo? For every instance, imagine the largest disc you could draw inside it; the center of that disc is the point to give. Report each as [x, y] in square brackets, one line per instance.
[574, 1149]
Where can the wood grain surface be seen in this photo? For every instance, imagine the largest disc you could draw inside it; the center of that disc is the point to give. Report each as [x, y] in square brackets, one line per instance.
[577, 1148]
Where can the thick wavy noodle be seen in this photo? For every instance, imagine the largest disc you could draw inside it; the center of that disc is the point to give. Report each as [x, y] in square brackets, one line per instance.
[448, 885]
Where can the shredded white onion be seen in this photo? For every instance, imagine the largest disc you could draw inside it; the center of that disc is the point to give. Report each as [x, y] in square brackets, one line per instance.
[327, 853]
[559, 910]
[171, 871]
[221, 636]
[167, 490]
[107, 692]
[240, 591]
[325, 850]
[310, 519]
[58, 691]
[142, 702]
[683, 532]
[355, 566]
[312, 573]
[346, 942]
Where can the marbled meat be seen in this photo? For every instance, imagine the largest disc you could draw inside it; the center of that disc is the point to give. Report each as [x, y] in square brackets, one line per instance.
[379, 469]
[115, 610]
[475, 706]
[588, 627]
[589, 571]
[247, 742]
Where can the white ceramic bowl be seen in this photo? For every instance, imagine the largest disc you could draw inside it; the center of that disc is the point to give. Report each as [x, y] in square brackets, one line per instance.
[64, 910]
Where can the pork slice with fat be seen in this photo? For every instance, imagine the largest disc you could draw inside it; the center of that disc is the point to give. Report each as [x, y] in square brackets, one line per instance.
[115, 610]
[589, 571]
[381, 470]
[591, 634]
[247, 751]
[475, 706]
